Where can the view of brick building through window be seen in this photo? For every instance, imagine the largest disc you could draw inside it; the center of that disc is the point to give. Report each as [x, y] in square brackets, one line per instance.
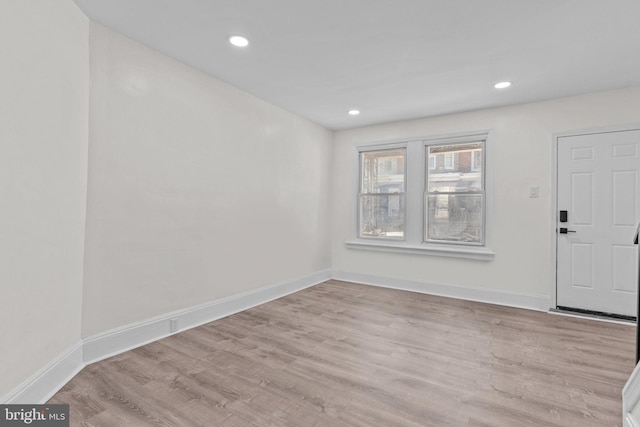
[453, 198]
[382, 194]
[455, 193]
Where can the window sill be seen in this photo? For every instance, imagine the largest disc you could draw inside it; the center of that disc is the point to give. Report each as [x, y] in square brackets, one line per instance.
[453, 251]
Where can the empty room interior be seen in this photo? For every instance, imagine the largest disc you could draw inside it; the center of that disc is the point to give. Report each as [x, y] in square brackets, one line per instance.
[321, 213]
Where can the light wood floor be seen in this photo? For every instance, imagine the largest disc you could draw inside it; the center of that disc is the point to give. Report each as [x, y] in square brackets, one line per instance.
[342, 354]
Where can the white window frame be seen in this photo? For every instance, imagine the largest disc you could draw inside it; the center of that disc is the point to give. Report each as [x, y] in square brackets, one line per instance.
[433, 162]
[415, 213]
[482, 192]
[370, 149]
[474, 164]
[449, 161]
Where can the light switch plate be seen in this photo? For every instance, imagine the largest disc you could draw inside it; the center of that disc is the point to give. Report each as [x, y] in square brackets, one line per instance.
[533, 192]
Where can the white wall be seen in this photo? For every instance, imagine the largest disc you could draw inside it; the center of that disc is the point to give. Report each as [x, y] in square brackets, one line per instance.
[197, 191]
[522, 153]
[43, 163]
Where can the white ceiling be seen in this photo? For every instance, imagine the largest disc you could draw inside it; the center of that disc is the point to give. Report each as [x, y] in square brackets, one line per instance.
[392, 59]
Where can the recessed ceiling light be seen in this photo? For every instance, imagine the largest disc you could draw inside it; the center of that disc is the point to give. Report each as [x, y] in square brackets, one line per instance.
[354, 112]
[502, 85]
[239, 41]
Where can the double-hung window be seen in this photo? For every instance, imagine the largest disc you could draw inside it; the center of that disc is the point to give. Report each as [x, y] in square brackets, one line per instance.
[430, 196]
[381, 202]
[455, 196]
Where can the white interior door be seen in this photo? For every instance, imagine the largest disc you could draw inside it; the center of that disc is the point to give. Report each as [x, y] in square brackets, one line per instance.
[598, 186]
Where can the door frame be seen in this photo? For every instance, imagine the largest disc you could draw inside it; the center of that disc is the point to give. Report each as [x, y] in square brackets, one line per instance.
[553, 300]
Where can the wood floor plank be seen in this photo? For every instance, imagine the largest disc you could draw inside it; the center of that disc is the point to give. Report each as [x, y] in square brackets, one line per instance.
[343, 354]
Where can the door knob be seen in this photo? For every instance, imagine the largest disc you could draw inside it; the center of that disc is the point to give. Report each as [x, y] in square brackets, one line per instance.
[565, 231]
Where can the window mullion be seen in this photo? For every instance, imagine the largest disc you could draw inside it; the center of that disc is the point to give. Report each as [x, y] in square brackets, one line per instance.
[446, 204]
[415, 187]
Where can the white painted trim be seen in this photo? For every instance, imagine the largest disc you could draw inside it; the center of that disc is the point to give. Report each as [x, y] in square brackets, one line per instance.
[413, 241]
[605, 129]
[382, 146]
[454, 251]
[553, 290]
[630, 421]
[46, 382]
[554, 194]
[50, 379]
[491, 296]
[631, 398]
[119, 340]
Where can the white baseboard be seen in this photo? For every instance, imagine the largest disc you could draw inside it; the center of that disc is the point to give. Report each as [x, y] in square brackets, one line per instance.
[50, 379]
[46, 382]
[631, 398]
[126, 338]
[491, 296]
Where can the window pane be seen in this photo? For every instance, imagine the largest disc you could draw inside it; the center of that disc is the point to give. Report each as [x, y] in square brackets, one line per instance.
[382, 216]
[455, 168]
[455, 218]
[476, 160]
[383, 171]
